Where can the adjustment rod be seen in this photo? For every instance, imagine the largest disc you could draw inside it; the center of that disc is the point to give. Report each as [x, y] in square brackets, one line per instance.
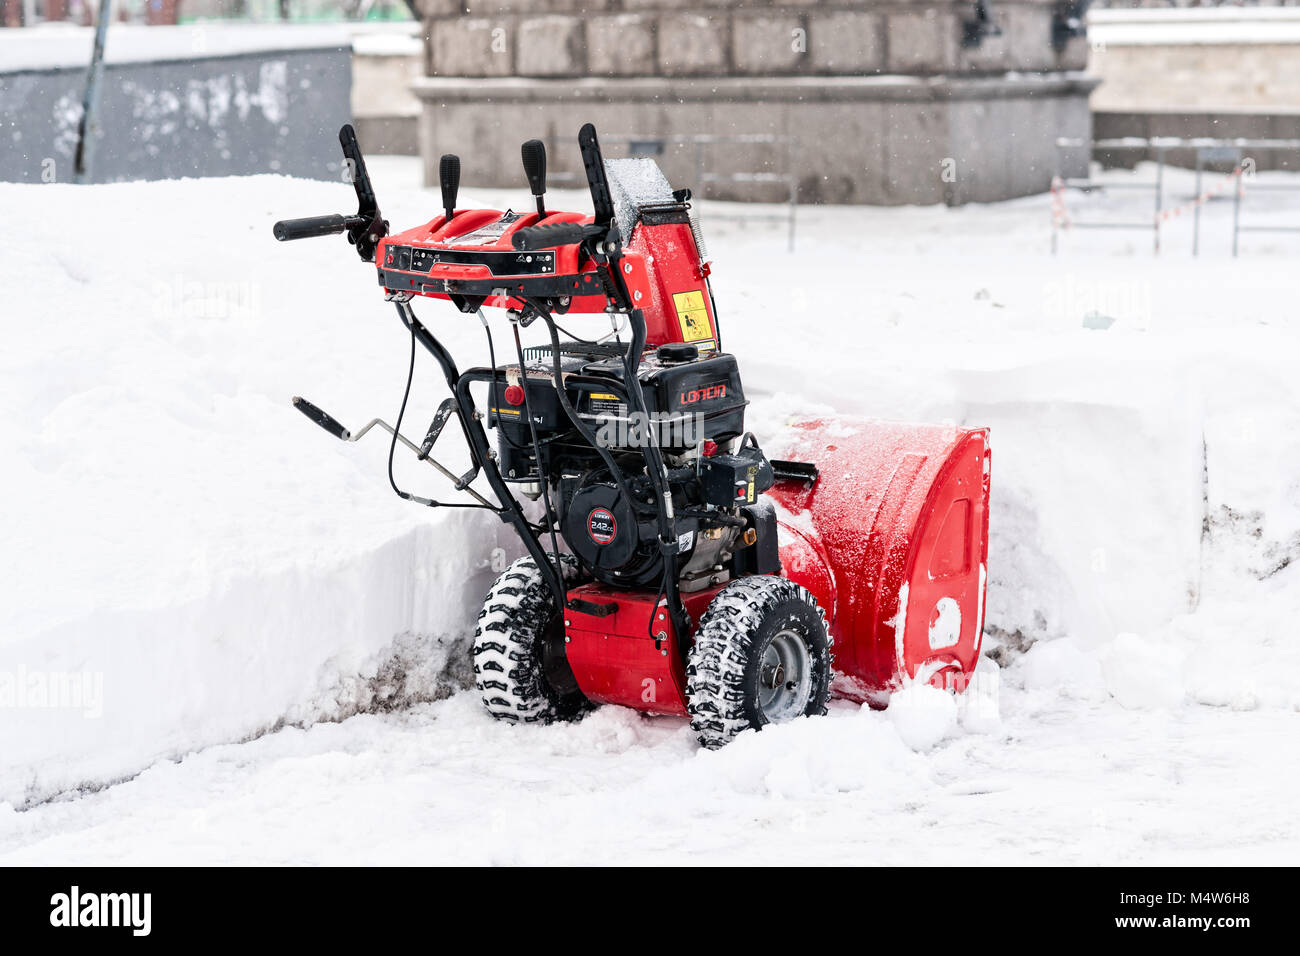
[449, 177]
[534, 154]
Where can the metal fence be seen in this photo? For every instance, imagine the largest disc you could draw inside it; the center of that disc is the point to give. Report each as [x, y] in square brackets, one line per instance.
[1208, 152]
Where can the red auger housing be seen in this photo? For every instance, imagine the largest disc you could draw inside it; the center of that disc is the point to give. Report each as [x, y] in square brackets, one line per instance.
[701, 577]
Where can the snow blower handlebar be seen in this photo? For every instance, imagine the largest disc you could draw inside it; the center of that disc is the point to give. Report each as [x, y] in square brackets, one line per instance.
[554, 234]
[310, 227]
[364, 229]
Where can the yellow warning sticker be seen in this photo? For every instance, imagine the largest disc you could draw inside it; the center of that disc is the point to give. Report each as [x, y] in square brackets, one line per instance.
[693, 315]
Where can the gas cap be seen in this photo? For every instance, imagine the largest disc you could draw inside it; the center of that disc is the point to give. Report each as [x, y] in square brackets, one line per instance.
[677, 353]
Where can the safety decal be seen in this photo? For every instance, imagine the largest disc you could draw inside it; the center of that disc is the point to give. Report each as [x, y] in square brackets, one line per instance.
[693, 315]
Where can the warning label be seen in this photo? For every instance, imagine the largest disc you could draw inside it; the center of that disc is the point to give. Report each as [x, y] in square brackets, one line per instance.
[603, 404]
[488, 235]
[693, 315]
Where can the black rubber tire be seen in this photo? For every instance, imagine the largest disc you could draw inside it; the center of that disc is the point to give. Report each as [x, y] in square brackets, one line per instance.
[722, 684]
[518, 617]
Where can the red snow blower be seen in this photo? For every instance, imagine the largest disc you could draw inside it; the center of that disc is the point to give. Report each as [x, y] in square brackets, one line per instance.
[698, 578]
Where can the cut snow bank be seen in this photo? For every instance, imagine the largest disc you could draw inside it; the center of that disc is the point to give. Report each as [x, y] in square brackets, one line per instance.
[177, 532]
[187, 559]
[372, 632]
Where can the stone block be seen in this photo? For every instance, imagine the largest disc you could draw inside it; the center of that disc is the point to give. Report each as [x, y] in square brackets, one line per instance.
[550, 46]
[621, 45]
[484, 8]
[691, 45]
[768, 44]
[846, 42]
[471, 46]
[922, 41]
[439, 8]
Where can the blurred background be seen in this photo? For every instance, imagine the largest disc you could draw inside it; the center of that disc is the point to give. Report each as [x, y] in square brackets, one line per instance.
[798, 101]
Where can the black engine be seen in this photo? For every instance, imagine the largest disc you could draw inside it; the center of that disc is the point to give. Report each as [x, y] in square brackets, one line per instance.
[596, 480]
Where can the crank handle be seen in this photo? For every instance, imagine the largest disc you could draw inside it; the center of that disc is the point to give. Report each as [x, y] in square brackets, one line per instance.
[332, 425]
[322, 418]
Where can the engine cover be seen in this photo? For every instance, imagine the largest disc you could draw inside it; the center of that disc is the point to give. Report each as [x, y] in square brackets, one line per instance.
[601, 528]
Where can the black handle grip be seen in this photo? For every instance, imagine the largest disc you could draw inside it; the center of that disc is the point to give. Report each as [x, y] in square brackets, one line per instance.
[449, 178]
[594, 164]
[310, 227]
[551, 235]
[533, 153]
[322, 418]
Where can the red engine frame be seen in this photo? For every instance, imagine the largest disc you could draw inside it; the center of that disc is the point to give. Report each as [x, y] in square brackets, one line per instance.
[662, 269]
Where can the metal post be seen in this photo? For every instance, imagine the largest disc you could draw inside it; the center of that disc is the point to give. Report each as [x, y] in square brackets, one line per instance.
[794, 187]
[699, 163]
[90, 102]
[1236, 214]
[1196, 212]
[1160, 179]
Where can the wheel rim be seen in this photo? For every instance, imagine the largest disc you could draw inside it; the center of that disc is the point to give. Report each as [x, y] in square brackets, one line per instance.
[784, 677]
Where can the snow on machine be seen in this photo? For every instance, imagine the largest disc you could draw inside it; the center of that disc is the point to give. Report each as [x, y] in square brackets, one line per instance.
[674, 568]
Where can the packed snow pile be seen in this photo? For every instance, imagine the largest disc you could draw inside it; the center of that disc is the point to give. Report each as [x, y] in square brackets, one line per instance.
[190, 564]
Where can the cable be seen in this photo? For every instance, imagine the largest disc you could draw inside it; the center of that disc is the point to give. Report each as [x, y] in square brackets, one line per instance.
[557, 375]
[654, 611]
[392, 449]
[492, 361]
[494, 404]
[537, 451]
[392, 445]
[579, 338]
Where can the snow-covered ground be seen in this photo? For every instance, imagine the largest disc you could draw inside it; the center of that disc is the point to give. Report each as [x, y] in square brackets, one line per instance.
[260, 648]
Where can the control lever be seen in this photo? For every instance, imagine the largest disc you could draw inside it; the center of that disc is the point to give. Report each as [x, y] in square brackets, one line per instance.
[449, 178]
[594, 164]
[534, 156]
[435, 427]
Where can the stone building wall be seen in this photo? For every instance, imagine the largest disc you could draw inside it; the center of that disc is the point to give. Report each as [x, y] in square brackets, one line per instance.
[888, 104]
[671, 38]
[1213, 72]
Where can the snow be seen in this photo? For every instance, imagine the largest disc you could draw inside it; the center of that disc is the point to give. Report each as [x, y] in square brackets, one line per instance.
[634, 183]
[63, 45]
[923, 715]
[270, 646]
[1193, 26]
[386, 38]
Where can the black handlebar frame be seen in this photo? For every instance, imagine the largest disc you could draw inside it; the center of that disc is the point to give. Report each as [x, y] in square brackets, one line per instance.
[364, 229]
